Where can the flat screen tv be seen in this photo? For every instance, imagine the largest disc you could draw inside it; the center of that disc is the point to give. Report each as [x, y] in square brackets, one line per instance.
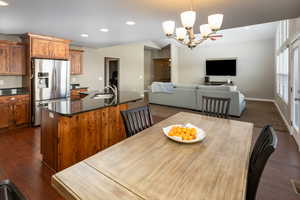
[221, 67]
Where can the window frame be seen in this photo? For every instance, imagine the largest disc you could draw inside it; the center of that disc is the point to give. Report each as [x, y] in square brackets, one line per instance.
[282, 60]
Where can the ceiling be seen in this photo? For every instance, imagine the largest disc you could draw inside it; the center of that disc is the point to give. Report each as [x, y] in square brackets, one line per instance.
[70, 18]
[245, 34]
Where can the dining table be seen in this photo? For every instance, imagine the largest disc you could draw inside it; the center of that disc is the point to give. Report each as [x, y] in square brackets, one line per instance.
[150, 166]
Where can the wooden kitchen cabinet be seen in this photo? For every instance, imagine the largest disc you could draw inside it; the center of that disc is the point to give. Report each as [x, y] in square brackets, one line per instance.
[66, 140]
[15, 110]
[59, 50]
[48, 47]
[4, 59]
[40, 48]
[76, 60]
[17, 60]
[12, 58]
[21, 112]
[5, 118]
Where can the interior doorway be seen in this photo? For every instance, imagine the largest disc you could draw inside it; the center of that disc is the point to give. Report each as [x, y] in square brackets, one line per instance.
[112, 72]
[157, 65]
[162, 70]
[295, 92]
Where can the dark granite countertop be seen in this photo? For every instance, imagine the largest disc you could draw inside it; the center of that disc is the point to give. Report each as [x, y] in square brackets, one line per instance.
[69, 107]
[13, 91]
[78, 88]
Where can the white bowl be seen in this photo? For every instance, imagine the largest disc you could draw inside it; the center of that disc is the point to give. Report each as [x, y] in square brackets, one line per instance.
[199, 136]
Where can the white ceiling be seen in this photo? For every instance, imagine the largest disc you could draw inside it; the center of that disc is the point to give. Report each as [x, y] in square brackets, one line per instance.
[246, 34]
[70, 18]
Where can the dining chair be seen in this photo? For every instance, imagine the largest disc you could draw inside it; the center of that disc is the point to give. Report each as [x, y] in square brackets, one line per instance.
[264, 146]
[137, 119]
[215, 106]
[8, 191]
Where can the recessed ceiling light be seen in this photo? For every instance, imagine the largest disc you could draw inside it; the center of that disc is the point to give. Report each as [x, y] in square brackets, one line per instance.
[3, 3]
[130, 23]
[84, 35]
[104, 29]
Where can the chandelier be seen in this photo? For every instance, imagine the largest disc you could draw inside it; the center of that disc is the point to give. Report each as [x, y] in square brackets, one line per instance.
[185, 34]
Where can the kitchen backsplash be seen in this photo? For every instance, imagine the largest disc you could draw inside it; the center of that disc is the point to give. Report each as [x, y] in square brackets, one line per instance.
[10, 81]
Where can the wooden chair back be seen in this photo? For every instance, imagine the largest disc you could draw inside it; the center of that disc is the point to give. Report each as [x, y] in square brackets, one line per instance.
[215, 106]
[264, 146]
[9, 191]
[137, 119]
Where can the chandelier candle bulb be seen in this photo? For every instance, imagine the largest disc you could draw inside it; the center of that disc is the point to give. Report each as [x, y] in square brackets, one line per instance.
[215, 21]
[3, 3]
[186, 36]
[205, 30]
[188, 19]
[168, 27]
[180, 33]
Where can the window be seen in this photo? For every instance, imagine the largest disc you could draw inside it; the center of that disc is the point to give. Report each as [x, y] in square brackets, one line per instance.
[282, 61]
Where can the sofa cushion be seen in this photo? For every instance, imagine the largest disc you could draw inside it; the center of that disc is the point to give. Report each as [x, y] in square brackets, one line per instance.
[214, 88]
[162, 87]
[241, 97]
[186, 86]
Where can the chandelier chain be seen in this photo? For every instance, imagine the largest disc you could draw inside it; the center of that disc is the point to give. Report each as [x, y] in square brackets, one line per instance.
[191, 4]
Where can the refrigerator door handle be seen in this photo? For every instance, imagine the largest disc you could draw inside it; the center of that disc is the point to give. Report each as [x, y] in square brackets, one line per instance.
[55, 80]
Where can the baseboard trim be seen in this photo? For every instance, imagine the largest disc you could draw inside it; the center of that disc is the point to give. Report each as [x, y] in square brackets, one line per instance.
[259, 99]
[283, 118]
[287, 124]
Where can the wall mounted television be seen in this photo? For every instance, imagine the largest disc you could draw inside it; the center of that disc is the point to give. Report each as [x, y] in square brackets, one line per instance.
[218, 67]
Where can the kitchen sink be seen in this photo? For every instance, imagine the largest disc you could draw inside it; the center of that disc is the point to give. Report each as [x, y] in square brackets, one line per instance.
[103, 96]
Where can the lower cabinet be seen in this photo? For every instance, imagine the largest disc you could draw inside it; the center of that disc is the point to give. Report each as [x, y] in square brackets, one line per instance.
[15, 111]
[5, 118]
[21, 112]
[66, 141]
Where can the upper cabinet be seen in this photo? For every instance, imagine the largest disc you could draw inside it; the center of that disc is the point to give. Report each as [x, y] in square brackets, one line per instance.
[40, 48]
[48, 47]
[76, 61]
[12, 58]
[4, 58]
[59, 50]
[18, 60]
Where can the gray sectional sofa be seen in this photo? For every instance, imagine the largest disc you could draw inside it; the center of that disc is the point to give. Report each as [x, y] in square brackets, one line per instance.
[190, 96]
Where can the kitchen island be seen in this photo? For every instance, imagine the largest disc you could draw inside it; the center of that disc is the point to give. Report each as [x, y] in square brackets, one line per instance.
[74, 130]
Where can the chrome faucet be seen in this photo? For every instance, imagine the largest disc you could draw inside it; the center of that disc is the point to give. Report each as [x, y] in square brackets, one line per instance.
[113, 88]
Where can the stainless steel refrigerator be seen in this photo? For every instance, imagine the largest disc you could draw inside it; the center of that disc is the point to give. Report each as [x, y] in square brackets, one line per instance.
[51, 82]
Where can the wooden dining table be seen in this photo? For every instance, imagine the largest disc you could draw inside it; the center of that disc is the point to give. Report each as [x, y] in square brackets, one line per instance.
[151, 166]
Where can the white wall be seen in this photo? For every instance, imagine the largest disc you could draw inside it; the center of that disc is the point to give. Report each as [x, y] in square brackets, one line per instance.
[294, 25]
[93, 69]
[148, 68]
[174, 63]
[255, 66]
[131, 67]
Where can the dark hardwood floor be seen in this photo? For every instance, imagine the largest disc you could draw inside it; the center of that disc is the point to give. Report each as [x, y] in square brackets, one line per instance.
[20, 161]
[20, 158]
